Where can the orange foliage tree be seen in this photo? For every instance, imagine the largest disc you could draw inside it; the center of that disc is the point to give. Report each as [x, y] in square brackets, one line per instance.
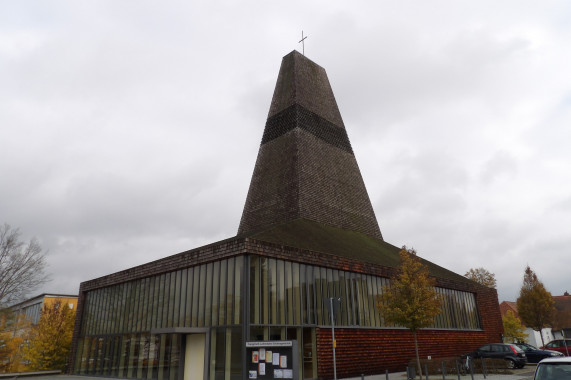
[49, 342]
[411, 300]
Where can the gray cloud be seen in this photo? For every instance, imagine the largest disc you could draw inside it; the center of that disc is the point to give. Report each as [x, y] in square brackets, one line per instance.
[129, 132]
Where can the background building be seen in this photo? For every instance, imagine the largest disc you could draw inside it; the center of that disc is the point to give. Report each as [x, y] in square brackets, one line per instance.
[561, 322]
[19, 324]
[308, 232]
[27, 313]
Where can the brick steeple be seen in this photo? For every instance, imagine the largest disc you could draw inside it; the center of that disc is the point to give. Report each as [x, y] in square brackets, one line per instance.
[306, 168]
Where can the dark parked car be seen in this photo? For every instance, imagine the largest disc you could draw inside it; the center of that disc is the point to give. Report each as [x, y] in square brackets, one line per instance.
[559, 345]
[535, 355]
[553, 369]
[514, 355]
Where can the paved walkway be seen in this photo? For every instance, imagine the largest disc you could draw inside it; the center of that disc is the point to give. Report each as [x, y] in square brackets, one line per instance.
[519, 374]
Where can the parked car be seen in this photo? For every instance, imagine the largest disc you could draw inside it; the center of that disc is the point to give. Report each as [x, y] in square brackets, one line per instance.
[535, 355]
[514, 355]
[560, 345]
[553, 369]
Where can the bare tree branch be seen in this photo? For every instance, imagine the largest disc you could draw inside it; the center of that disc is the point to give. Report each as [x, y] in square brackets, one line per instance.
[22, 266]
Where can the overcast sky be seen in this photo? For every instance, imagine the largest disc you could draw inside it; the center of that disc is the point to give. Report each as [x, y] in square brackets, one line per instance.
[129, 129]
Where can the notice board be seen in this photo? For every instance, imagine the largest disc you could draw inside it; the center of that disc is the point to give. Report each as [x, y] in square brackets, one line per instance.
[273, 359]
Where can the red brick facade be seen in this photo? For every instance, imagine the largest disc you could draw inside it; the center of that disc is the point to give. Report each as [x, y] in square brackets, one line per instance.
[372, 351]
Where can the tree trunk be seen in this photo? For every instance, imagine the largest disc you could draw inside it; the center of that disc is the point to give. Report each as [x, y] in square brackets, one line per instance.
[417, 357]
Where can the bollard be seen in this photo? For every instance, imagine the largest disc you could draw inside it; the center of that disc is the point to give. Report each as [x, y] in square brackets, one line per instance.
[362, 376]
[387, 374]
[458, 369]
[426, 371]
[443, 367]
[471, 365]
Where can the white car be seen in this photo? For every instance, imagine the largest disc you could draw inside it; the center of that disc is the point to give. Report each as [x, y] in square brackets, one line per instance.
[553, 369]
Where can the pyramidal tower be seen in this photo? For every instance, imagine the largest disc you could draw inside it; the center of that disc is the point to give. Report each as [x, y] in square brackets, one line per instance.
[306, 169]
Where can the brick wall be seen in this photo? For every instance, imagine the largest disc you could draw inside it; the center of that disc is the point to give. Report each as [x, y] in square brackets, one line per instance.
[372, 351]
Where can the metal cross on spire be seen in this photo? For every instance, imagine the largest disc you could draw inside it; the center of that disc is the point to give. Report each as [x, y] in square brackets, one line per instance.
[302, 42]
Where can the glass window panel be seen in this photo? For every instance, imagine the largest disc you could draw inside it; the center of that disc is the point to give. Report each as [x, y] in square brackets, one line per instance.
[174, 305]
[174, 357]
[215, 298]
[276, 299]
[238, 280]
[112, 313]
[379, 282]
[126, 305]
[342, 318]
[255, 289]
[96, 311]
[162, 373]
[81, 356]
[208, 300]
[330, 284]
[142, 312]
[104, 307]
[189, 296]
[161, 301]
[359, 299]
[371, 296]
[195, 295]
[296, 285]
[165, 317]
[99, 311]
[311, 297]
[336, 293]
[201, 295]
[236, 354]
[229, 291]
[183, 299]
[303, 293]
[150, 304]
[220, 354]
[155, 343]
[265, 290]
[135, 307]
[115, 312]
[172, 299]
[318, 295]
[289, 306]
[278, 269]
[221, 320]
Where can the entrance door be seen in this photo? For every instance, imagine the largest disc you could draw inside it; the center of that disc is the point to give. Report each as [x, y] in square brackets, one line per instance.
[194, 357]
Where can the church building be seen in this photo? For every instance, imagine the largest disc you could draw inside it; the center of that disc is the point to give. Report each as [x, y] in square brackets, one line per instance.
[308, 233]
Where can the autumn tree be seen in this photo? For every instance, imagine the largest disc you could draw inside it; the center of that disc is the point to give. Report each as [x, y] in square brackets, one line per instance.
[482, 277]
[535, 304]
[49, 342]
[410, 300]
[513, 329]
[9, 342]
[21, 265]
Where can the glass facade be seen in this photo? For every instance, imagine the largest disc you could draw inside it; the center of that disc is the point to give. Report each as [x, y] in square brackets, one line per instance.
[117, 321]
[287, 293]
[287, 300]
